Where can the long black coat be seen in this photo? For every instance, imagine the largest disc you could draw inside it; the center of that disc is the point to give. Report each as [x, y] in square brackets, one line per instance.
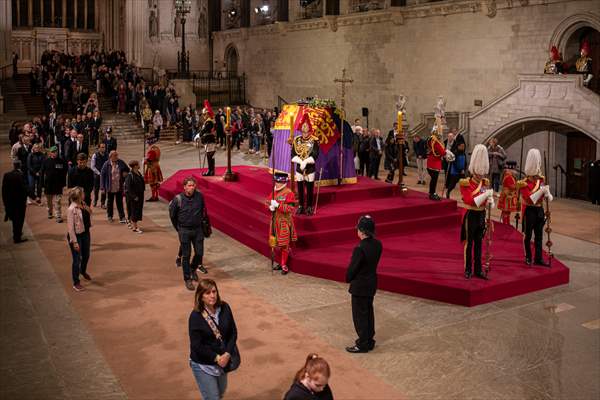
[362, 271]
[14, 193]
[134, 193]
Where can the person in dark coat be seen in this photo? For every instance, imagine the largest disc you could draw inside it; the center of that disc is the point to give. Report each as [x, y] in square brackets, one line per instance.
[109, 142]
[213, 340]
[362, 276]
[14, 196]
[82, 176]
[134, 195]
[54, 176]
[34, 167]
[311, 381]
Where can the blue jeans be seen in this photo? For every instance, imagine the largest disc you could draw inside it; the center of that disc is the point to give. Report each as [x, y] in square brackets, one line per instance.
[255, 143]
[35, 187]
[211, 387]
[81, 257]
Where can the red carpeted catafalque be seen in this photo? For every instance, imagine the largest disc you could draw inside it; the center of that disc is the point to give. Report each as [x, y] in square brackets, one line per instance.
[422, 255]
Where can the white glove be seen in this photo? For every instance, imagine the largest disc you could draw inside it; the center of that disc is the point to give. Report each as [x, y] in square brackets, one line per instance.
[490, 193]
[274, 203]
[272, 208]
[449, 156]
[491, 202]
[296, 160]
[547, 193]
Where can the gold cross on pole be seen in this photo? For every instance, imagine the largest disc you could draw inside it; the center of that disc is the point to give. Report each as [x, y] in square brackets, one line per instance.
[343, 81]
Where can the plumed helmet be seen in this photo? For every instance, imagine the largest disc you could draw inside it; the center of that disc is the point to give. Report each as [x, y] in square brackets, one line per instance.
[533, 163]
[585, 47]
[305, 120]
[480, 163]
[208, 109]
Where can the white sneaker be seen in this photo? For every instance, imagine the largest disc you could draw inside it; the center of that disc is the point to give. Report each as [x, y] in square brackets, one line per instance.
[138, 230]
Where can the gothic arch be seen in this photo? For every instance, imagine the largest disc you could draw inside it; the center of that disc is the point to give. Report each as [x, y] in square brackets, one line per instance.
[570, 25]
[232, 59]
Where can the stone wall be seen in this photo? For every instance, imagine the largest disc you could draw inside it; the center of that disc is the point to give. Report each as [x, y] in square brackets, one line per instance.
[464, 50]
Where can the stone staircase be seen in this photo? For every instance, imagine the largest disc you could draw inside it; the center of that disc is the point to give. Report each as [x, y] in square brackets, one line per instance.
[105, 101]
[125, 128]
[17, 97]
[557, 99]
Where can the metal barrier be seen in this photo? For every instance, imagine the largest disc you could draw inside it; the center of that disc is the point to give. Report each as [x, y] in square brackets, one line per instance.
[220, 88]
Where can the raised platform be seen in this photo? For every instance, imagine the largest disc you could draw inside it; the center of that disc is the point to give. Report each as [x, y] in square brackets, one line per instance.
[422, 255]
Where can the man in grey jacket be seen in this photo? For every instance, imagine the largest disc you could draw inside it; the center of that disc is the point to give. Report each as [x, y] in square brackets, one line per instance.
[497, 156]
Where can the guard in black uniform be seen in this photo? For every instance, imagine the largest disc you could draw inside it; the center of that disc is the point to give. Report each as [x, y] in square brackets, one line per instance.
[208, 137]
[305, 151]
[362, 276]
[14, 196]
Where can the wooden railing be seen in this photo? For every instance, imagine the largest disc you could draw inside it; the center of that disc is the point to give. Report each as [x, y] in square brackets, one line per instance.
[5, 72]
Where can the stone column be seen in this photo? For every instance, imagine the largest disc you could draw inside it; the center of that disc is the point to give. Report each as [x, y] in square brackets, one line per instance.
[29, 12]
[6, 33]
[96, 16]
[135, 30]
[85, 15]
[74, 13]
[52, 14]
[64, 13]
[41, 12]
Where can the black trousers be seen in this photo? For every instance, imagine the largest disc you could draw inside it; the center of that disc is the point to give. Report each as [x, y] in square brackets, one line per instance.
[309, 194]
[434, 178]
[363, 157]
[210, 158]
[97, 190]
[189, 238]
[374, 162]
[18, 219]
[451, 181]
[534, 221]
[363, 317]
[112, 197]
[472, 232]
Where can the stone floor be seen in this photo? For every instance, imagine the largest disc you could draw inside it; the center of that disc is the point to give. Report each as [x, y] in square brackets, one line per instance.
[544, 345]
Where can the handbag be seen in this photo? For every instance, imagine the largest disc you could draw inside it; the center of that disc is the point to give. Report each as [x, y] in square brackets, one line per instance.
[234, 357]
[206, 228]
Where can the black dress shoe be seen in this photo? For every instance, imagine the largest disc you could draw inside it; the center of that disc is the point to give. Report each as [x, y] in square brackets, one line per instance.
[528, 261]
[17, 241]
[356, 349]
[541, 263]
[300, 210]
[481, 276]
[309, 211]
[207, 173]
[434, 197]
[468, 274]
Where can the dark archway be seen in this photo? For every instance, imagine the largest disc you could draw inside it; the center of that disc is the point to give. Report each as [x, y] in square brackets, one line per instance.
[231, 60]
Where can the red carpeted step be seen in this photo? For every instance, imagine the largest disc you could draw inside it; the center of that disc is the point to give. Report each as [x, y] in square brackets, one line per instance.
[422, 252]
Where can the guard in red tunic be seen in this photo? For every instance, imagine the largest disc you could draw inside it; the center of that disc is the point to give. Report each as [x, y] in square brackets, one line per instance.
[435, 152]
[476, 194]
[152, 172]
[508, 202]
[282, 231]
[533, 192]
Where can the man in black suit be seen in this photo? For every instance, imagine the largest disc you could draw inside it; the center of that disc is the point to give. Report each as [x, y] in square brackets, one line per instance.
[362, 276]
[14, 196]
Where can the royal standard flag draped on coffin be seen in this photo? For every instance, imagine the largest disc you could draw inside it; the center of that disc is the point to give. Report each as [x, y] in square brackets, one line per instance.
[321, 119]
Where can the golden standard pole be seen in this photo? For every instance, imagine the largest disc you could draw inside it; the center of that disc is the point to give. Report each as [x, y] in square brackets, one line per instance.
[229, 176]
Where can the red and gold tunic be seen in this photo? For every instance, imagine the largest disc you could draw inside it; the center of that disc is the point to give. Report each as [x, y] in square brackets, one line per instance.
[529, 186]
[435, 152]
[509, 198]
[285, 231]
[470, 188]
[152, 172]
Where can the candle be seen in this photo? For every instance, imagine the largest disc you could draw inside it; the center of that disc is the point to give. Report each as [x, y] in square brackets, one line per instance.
[228, 118]
[399, 121]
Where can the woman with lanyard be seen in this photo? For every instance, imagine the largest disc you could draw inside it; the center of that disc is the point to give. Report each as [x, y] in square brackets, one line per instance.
[213, 337]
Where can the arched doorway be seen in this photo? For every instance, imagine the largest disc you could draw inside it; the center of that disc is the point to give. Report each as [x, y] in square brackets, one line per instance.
[231, 60]
[568, 150]
[569, 35]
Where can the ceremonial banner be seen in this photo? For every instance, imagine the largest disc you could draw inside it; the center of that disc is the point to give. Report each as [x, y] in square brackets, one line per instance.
[326, 127]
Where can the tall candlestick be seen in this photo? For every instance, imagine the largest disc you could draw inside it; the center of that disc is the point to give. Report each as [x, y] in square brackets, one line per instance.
[400, 121]
[228, 117]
